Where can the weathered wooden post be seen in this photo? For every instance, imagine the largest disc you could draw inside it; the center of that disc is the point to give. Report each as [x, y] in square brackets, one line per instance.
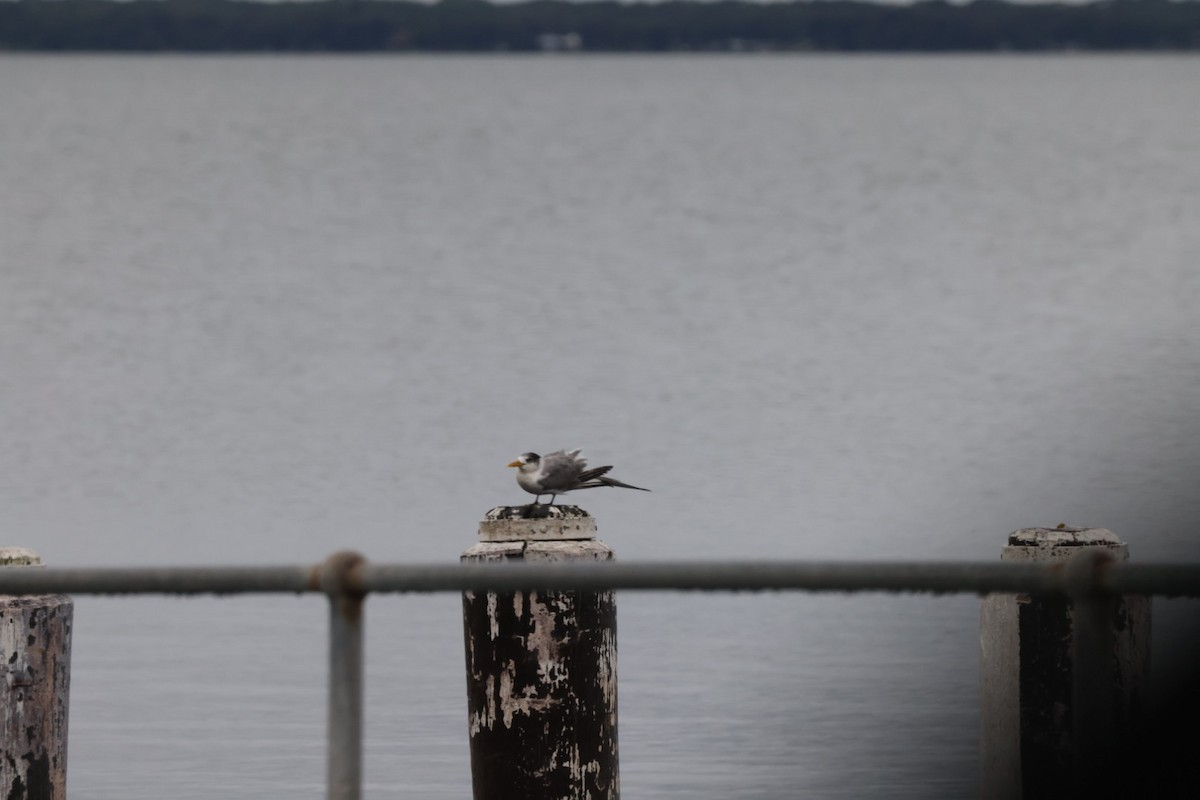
[541, 668]
[1062, 680]
[35, 663]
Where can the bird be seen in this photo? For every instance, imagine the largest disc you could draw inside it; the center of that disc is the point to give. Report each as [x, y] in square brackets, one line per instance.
[561, 472]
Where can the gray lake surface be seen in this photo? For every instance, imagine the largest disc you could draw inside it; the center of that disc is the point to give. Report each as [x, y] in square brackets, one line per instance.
[254, 310]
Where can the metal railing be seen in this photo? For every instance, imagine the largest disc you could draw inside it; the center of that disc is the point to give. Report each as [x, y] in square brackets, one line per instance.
[347, 578]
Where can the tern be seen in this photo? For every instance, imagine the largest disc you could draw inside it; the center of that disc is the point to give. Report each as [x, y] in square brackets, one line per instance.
[561, 472]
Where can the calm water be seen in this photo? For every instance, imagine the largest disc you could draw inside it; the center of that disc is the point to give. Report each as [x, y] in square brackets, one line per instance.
[254, 310]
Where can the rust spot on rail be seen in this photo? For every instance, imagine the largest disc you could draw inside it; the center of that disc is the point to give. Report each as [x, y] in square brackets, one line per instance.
[340, 577]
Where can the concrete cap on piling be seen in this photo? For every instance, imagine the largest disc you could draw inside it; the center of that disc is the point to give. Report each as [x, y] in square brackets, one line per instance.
[539, 523]
[1060, 542]
[19, 557]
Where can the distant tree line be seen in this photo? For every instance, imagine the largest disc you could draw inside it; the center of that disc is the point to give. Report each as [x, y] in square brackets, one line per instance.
[475, 25]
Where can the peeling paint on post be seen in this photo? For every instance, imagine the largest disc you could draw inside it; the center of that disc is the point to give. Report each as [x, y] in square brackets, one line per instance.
[541, 668]
[35, 665]
[1030, 705]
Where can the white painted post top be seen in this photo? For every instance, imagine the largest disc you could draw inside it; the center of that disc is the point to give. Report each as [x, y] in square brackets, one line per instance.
[19, 557]
[1059, 543]
[551, 523]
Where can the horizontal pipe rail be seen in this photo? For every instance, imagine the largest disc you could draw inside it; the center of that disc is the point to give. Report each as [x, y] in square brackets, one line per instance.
[159, 580]
[1172, 580]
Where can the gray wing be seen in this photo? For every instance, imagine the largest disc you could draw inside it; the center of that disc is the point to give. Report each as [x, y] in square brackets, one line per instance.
[592, 474]
[560, 471]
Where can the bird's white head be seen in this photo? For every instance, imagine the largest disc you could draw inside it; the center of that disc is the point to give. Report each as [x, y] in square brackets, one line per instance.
[526, 461]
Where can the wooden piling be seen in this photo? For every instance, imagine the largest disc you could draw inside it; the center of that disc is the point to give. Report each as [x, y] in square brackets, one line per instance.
[35, 663]
[1063, 681]
[541, 668]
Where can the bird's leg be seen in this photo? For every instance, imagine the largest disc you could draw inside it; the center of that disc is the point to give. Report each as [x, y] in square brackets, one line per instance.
[552, 499]
[529, 509]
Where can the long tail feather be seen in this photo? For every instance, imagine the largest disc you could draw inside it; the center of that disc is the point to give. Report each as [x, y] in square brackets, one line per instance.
[608, 482]
[615, 482]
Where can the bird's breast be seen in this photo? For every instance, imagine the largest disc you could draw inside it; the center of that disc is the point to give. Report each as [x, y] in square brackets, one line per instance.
[528, 482]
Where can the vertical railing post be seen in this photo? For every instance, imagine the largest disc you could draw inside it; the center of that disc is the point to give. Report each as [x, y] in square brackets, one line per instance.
[35, 678]
[340, 579]
[1062, 679]
[541, 668]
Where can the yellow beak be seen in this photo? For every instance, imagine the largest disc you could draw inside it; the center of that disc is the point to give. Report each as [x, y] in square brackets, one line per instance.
[515, 464]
